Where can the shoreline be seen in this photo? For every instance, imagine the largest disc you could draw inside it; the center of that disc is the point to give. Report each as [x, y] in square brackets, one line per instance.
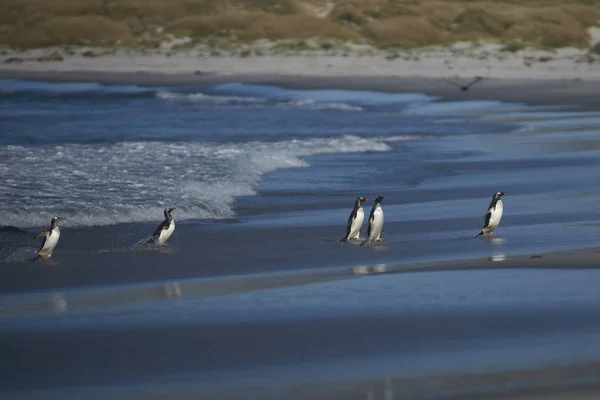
[536, 92]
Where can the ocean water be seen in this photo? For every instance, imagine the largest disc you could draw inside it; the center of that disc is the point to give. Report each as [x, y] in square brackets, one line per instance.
[117, 154]
[255, 288]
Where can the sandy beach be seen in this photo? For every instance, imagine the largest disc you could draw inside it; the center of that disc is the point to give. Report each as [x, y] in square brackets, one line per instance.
[562, 76]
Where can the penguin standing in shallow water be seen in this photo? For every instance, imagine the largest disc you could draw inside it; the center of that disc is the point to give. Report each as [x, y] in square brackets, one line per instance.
[164, 230]
[493, 215]
[51, 237]
[355, 221]
[375, 223]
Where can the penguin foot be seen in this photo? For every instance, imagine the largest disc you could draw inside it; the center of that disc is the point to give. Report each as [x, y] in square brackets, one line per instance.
[42, 257]
[381, 240]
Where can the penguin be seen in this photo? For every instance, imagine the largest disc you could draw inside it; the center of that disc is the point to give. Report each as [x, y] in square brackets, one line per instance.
[164, 230]
[375, 223]
[493, 215]
[355, 221]
[51, 237]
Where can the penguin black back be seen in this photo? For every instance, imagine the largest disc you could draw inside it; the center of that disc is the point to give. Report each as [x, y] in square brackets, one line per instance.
[378, 201]
[358, 203]
[166, 223]
[354, 222]
[497, 196]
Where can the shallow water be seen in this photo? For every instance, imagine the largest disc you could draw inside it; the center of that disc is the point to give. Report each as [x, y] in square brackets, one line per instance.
[255, 288]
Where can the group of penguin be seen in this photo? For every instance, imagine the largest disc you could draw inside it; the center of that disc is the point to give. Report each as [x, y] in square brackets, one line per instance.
[164, 231]
[492, 218]
[160, 237]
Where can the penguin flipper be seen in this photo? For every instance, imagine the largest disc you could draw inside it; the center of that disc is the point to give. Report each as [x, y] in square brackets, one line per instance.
[348, 231]
[369, 226]
[44, 233]
[164, 226]
[487, 217]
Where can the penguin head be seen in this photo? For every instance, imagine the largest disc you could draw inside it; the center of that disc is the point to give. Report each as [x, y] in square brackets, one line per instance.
[361, 200]
[379, 199]
[55, 220]
[167, 212]
[499, 194]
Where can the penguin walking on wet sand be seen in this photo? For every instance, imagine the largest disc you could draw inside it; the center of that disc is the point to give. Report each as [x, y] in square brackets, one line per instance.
[355, 221]
[493, 215]
[51, 237]
[165, 230]
[375, 223]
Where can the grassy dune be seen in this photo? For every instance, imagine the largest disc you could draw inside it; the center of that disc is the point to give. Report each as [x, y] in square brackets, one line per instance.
[382, 23]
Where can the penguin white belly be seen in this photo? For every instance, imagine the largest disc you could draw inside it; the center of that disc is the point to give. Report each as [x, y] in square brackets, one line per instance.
[50, 243]
[496, 216]
[357, 224]
[165, 234]
[377, 224]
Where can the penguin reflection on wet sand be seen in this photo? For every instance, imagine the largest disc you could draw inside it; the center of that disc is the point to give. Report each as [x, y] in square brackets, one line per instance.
[51, 237]
[375, 223]
[355, 221]
[493, 215]
[165, 230]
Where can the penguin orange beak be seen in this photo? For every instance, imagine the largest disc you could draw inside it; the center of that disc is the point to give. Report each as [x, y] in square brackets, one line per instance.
[172, 209]
[503, 193]
[61, 219]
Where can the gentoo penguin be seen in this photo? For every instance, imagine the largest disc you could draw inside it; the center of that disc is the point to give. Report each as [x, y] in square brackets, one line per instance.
[493, 215]
[164, 230]
[375, 223]
[51, 237]
[355, 221]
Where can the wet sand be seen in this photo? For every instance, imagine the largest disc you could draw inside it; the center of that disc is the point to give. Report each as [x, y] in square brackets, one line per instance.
[442, 335]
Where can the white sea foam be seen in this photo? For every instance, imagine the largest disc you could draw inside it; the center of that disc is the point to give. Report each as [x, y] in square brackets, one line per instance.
[354, 97]
[93, 184]
[329, 99]
[203, 98]
[199, 97]
[311, 104]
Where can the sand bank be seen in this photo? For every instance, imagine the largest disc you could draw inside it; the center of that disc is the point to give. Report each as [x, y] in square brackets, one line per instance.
[462, 60]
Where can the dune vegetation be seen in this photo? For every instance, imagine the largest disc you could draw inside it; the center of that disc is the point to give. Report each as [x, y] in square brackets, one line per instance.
[28, 24]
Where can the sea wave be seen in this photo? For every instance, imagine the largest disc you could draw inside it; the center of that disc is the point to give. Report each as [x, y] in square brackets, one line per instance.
[199, 97]
[203, 98]
[225, 94]
[17, 86]
[353, 98]
[94, 184]
[462, 107]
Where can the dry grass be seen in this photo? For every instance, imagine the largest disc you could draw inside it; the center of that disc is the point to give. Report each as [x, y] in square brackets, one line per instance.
[84, 30]
[247, 26]
[299, 27]
[554, 26]
[404, 32]
[405, 23]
